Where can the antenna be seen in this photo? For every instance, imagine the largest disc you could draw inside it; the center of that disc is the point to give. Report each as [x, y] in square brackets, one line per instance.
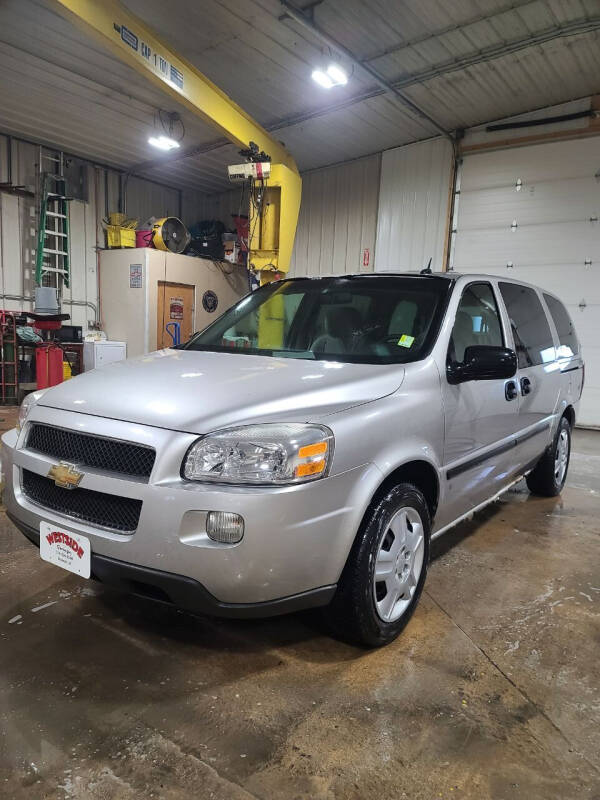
[427, 270]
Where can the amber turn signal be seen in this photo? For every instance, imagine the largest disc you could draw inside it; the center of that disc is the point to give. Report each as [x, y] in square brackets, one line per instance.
[312, 450]
[313, 468]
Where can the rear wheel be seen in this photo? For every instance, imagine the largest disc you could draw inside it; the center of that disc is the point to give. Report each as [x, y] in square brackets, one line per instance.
[550, 473]
[384, 576]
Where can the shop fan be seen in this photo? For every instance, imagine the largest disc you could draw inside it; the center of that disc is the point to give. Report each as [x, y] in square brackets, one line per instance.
[169, 233]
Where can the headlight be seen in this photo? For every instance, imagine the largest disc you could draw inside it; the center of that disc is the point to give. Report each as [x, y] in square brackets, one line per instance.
[28, 403]
[261, 454]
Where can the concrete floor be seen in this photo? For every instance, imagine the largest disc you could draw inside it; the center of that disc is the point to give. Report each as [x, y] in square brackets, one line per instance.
[493, 690]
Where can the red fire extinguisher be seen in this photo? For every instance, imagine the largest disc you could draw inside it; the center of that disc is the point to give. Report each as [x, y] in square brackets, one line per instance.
[48, 365]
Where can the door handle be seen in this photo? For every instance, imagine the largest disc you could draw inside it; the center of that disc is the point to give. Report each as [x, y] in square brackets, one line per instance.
[510, 390]
[525, 386]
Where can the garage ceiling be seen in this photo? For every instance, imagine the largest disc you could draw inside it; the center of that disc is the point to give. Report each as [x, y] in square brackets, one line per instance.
[464, 63]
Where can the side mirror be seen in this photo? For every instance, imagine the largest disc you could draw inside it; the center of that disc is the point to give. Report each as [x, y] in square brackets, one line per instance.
[483, 363]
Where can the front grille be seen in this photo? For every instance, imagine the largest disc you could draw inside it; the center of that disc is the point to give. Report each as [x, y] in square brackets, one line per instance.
[85, 449]
[106, 510]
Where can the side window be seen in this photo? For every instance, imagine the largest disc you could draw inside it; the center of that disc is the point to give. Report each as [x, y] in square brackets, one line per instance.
[533, 340]
[477, 321]
[569, 344]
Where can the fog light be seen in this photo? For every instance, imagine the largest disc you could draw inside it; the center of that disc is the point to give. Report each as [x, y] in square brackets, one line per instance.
[224, 527]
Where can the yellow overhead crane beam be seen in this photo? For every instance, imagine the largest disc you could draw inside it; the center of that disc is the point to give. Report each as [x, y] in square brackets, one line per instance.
[273, 223]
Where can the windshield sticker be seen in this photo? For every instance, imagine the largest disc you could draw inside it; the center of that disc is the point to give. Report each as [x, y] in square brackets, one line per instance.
[405, 340]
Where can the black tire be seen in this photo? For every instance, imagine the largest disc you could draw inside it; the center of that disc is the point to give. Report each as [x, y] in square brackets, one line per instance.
[544, 478]
[353, 613]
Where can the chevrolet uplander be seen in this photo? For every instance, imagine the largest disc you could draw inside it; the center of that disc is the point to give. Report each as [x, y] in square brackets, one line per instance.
[305, 448]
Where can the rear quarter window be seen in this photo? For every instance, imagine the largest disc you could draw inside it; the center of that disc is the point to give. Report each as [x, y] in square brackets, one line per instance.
[531, 332]
[569, 343]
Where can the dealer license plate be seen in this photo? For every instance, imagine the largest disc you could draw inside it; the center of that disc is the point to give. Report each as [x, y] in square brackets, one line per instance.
[71, 551]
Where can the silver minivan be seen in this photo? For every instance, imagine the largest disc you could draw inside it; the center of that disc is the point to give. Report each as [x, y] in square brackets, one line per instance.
[305, 448]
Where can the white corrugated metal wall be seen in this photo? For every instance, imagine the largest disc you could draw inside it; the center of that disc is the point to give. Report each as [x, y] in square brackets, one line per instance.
[413, 206]
[223, 206]
[18, 225]
[144, 200]
[338, 219]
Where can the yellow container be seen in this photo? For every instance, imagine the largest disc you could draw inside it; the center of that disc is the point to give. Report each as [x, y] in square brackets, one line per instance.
[67, 373]
[119, 237]
[127, 237]
[117, 218]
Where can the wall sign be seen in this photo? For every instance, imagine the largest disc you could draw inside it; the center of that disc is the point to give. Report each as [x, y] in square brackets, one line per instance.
[176, 308]
[210, 301]
[135, 276]
[366, 257]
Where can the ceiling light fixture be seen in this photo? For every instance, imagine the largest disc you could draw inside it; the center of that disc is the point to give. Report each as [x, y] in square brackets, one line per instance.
[334, 75]
[337, 75]
[172, 133]
[163, 142]
[322, 78]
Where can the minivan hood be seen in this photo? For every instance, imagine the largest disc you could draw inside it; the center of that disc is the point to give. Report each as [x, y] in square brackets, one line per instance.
[198, 392]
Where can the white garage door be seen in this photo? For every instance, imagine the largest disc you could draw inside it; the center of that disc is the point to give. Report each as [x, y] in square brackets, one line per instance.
[532, 213]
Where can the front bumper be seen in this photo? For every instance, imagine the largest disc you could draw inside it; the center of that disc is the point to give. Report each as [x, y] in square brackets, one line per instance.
[296, 540]
[183, 592]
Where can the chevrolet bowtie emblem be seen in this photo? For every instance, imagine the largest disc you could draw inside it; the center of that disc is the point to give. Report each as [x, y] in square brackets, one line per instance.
[65, 475]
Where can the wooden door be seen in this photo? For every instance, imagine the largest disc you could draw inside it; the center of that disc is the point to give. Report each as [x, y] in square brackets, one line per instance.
[175, 304]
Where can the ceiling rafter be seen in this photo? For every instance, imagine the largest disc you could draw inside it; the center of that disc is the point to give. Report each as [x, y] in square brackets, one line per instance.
[498, 51]
[515, 5]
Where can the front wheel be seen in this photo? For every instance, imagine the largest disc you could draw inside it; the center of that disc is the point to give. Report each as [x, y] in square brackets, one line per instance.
[550, 473]
[385, 572]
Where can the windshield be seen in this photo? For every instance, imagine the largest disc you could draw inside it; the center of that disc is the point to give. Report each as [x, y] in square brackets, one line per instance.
[366, 320]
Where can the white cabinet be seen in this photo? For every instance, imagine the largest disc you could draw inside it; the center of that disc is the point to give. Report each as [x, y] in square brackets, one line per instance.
[132, 281]
[97, 354]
